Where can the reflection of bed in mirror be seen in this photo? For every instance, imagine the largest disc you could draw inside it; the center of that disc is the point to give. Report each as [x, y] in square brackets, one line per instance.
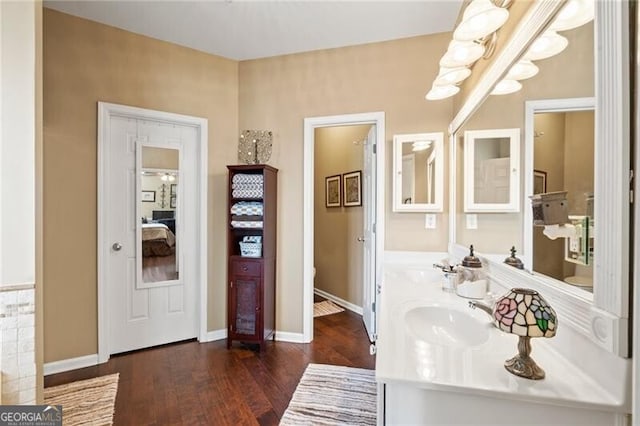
[157, 240]
[158, 253]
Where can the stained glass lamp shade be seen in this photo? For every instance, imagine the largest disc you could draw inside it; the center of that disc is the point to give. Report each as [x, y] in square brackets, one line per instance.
[525, 313]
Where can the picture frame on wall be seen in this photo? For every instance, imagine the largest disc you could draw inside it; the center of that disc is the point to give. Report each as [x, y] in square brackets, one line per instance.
[352, 188]
[148, 196]
[539, 182]
[332, 191]
[172, 202]
[174, 189]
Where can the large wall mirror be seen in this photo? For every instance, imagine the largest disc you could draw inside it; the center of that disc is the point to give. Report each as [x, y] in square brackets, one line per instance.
[159, 230]
[574, 140]
[418, 170]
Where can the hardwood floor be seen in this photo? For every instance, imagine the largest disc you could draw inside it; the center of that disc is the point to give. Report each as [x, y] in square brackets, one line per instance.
[159, 268]
[205, 384]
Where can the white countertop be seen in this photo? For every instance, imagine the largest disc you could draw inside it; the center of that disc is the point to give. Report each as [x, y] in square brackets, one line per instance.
[404, 358]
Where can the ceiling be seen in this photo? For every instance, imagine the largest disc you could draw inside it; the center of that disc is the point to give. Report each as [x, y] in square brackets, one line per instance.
[242, 30]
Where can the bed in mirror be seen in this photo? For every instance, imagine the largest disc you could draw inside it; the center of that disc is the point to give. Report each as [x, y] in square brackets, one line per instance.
[418, 169]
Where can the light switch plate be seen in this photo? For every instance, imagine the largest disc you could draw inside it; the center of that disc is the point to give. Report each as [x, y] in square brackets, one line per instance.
[472, 221]
[430, 221]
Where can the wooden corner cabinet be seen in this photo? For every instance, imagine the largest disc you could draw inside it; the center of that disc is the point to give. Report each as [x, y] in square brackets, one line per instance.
[251, 267]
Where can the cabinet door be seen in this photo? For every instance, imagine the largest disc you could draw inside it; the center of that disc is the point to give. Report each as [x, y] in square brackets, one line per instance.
[246, 306]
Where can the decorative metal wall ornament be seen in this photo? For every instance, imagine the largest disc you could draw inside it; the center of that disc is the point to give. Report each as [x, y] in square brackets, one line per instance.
[254, 146]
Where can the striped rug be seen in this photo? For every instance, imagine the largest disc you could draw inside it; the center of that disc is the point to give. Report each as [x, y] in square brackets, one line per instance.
[85, 402]
[333, 395]
[326, 307]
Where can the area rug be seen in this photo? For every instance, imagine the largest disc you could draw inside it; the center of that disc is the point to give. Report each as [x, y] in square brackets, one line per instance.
[333, 395]
[325, 307]
[85, 402]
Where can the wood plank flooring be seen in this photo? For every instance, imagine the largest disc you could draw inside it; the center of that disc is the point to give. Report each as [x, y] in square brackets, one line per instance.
[205, 384]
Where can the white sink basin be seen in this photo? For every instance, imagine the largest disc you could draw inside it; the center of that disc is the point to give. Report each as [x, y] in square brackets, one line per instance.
[445, 326]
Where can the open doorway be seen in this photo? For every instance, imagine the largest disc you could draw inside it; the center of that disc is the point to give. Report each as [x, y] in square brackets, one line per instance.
[338, 218]
[370, 181]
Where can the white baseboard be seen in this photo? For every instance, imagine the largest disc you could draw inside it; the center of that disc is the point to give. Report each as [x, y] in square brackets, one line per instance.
[285, 336]
[70, 364]
[214, 335]
[338, 301]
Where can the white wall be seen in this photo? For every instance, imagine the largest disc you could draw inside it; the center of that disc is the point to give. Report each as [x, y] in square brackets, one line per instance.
[17, 200]
[17, 143]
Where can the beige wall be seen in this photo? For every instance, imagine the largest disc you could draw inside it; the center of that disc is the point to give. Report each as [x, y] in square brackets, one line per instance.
[337, 253]
[567, 75]
[278, 93]
[86, 62]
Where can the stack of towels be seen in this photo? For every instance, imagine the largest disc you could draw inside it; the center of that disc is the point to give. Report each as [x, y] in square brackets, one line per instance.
[247, 186]
[246, 214]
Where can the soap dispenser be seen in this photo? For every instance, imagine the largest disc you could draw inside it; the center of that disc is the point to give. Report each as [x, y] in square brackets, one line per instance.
[472, 277]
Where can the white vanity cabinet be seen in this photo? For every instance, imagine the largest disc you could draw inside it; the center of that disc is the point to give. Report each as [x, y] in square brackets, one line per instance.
[449, 368]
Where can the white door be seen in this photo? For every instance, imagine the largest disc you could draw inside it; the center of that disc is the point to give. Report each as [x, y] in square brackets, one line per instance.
[141, 315]
[369, 263]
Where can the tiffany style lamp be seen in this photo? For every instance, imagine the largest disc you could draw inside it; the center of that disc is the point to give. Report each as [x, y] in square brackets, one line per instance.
[525, 313]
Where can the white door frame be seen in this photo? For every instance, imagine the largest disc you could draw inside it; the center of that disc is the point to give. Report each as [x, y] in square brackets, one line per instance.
[105, 112]
[310, 124]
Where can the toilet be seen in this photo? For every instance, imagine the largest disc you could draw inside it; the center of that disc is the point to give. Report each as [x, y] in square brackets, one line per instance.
[583, 276]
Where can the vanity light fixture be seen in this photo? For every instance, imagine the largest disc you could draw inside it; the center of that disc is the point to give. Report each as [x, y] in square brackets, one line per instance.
[473, 38]
[167, 177]
[504, 87]
[480, 18]
[441, 92]
[550, 43]
[574, 14]
[421, 145]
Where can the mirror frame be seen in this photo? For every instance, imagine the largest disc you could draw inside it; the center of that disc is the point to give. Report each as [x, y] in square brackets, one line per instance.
[438, 141]
[605, 319]
[470, 139]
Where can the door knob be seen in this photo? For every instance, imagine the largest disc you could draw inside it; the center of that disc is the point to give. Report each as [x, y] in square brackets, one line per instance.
[361, 239]
[116, 246]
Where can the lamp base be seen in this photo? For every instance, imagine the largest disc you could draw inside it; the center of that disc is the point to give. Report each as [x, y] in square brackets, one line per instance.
[522, 364]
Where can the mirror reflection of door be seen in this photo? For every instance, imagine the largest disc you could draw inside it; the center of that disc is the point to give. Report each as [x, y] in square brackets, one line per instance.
[564, 156]
[159, 212]
[491, 170]
[418, 174]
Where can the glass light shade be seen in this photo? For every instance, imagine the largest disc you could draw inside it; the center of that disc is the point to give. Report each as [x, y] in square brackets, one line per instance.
[505, 87]
[461, 54]
[574, 14]
[448, 76]
[441, 92]
[522, 70]
[480, 19]
[524, 312]
[421, 145]
[547, 45]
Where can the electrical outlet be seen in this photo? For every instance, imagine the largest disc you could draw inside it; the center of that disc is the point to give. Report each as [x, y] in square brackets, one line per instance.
[430, 221]
[472, 221]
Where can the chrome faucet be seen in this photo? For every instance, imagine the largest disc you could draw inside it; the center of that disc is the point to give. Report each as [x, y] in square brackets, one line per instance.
[473, 304]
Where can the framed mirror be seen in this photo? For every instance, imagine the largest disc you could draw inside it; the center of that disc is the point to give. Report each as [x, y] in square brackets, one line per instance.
[603, 315]
[491, 170]
[418, 171]
[159, 231]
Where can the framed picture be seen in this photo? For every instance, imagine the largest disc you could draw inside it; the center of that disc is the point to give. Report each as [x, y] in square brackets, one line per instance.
[149, 196]
[174, 189]
[539, 182]
[172, 202]
[332, 191]
[352, 189]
